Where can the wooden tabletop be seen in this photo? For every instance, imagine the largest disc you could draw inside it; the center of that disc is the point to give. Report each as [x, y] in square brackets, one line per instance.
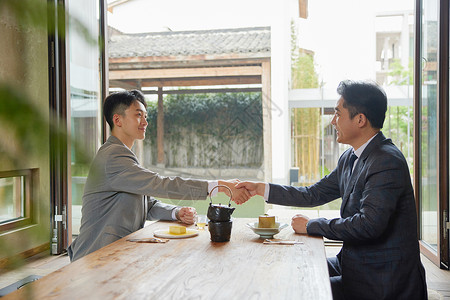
[192, 268]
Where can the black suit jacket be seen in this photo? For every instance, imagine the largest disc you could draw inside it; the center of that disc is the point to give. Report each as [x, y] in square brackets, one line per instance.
[380, 257]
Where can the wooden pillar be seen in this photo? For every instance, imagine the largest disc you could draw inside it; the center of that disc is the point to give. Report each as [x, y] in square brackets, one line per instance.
[160, 128]
[267, 120]
[303, 9]
[139, 144]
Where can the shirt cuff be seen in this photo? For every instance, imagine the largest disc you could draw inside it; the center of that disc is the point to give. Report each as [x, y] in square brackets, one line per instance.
[174, 213]
[211, 185]
[266, 192]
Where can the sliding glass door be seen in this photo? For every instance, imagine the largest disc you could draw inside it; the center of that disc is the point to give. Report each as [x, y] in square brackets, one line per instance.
[78, 88]
[428, 125]
[85, 97]
[432, 122]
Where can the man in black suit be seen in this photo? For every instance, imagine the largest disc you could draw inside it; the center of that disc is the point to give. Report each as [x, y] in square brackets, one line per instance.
[380, 257]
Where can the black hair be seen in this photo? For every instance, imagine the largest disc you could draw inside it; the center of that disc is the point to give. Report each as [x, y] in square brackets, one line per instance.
[364, 97]
[118, 102]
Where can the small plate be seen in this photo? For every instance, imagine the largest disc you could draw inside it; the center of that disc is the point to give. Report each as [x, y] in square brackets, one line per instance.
[165, 233]
[266, 233]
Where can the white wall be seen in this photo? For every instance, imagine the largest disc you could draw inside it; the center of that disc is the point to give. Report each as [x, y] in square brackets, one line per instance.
[280, 64]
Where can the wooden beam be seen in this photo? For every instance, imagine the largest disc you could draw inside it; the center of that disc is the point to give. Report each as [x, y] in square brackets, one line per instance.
[181, 64]
[185, 72]
[247, 58]
[203, 81]
[203, 91]
[139, 63]
[127, 84]
[303, 9]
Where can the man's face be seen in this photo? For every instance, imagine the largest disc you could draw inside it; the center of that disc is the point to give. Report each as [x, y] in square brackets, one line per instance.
[134, 122]
[346, 128]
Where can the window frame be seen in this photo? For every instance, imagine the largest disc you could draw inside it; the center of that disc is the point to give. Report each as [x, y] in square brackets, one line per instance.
[29, 176]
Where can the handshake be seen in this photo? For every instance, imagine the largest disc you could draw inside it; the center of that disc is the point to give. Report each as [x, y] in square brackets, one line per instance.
[242, 190]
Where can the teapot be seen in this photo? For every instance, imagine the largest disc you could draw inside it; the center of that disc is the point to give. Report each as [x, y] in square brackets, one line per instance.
[220, 213]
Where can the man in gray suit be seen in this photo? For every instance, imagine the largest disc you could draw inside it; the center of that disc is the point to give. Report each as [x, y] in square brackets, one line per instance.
[118, 195]
[380, 257]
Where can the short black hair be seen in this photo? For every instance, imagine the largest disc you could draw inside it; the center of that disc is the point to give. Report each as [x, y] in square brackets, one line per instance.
[118, 102]
[365, 97]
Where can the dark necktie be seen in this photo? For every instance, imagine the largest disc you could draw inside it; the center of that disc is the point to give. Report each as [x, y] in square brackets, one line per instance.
[351, 161]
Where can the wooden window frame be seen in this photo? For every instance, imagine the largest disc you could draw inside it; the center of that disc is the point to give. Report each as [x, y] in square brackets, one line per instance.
[29, 177]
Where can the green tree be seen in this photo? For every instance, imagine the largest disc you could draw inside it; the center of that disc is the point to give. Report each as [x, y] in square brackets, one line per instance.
[400, 75]
[398, 124]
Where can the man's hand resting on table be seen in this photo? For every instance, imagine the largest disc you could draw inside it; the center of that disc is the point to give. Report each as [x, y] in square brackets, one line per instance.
[299, 223]
[186, 215]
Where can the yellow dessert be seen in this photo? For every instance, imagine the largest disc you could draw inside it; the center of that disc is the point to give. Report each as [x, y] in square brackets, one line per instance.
[266, 221]
[177, 229]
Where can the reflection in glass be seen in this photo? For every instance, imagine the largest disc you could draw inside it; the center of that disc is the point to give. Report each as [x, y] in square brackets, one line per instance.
[84, 97]
[428, 121]
[320, 143]
[12, 200]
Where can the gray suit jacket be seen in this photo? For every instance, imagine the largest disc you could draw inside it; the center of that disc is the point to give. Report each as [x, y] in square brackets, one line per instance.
[117, 197]
[378, 224]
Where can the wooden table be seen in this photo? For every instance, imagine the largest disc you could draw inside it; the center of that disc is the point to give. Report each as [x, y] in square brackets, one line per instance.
[192, 268]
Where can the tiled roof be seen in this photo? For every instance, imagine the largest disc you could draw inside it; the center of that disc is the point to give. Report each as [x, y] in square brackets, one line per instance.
[220, 41]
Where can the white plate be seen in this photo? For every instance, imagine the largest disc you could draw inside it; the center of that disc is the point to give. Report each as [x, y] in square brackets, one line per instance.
[266, 233]
[164, 233]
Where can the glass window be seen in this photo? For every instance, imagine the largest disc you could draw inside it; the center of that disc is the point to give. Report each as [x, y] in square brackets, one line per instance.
[15, 199]
[12, 198]
[315, 151]
[428, 124]
[85, 97]
[208, 141]
[384, 55]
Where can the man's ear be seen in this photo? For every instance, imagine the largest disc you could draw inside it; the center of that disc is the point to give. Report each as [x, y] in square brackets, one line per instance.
[117, 120]
[362, 120]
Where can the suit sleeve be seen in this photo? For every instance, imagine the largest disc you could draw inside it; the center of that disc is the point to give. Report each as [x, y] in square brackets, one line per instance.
[126, 175]
[324, 191]
[384, 182]
[158, 210]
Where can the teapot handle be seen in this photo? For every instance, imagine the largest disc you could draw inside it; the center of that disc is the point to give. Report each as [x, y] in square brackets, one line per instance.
[231, 193]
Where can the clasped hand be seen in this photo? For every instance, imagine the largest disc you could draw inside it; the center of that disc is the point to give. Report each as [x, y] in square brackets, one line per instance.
[250, 189]
[239, 195]
[186, 215]
[242, 191]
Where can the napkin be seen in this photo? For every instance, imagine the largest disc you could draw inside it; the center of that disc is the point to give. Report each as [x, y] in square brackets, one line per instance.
[149, 240]
[280, 242]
